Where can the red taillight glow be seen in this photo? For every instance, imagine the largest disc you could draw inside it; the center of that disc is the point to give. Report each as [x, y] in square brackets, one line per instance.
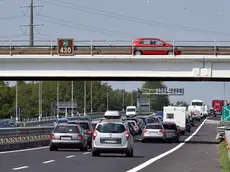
[146, 131]
[52, 136]
[162, 131]
[127, 134]
[89, 132]
[94, 134]
[79, 137]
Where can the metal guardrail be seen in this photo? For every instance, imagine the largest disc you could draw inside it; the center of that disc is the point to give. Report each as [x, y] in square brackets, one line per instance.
[227, 140]
[19, 134]
[109, 47]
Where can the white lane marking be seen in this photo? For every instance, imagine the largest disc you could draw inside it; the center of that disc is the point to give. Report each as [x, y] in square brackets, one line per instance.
[24, 150]
[71, 156]
[20, 168]
[86, 153]
[46, 162]
[150, 161]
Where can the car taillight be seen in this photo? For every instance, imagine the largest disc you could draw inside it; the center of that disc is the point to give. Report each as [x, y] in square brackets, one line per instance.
[79, 137]
[146, 131]
[162, 131]
[94, 134]
[89, 132]
[52, 136]
[127, 134]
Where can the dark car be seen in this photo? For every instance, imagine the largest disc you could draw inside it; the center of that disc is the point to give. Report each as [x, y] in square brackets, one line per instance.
[87, 129]
[153, 120]
[131, 129]
[143, 119]
[171, 131]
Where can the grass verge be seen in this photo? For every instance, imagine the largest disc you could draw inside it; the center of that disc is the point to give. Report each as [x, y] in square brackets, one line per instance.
[223, 155]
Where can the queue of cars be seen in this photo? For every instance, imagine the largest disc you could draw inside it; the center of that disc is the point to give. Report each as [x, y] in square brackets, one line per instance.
[111, 134]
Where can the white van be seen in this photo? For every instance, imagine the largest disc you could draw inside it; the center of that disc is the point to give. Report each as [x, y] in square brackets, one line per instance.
[131, 111]
[112, 115]
[177, 115]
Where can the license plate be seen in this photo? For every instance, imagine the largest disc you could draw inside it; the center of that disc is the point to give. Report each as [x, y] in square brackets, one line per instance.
[66, 138]
[153, 132]
[110, 141]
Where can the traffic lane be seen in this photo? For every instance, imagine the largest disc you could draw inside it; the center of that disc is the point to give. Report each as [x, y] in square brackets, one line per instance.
[199, 154]
[111, 162]
[32, 157]
[106, 162]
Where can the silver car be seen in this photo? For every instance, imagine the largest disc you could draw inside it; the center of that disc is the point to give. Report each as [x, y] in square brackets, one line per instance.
[112, 136]
[68, 136]
[153, 131]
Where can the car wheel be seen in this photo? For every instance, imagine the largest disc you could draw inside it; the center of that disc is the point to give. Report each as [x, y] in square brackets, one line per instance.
[90, 146]
[178, 140]
[94, 153]
[170, 53]
[129, 153]
[138, 53]
[52, 148]
[143, 141]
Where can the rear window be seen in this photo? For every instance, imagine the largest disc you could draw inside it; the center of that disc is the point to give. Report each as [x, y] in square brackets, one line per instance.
[133, 123]
[170, 126]
[111, 128]
[84, 125]
[152, 120]
[153, 127]
[66, 129]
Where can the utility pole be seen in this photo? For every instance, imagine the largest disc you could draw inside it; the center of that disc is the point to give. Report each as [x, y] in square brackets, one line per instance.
[91, 96]
[72, 97]
[85, 97]
[31, 25]
[16, 110]
[123, 97]
[40, 99]
[57, 99]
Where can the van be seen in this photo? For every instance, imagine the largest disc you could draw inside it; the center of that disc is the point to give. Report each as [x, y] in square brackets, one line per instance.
[112, 115]
[177, 115]
[131, 111]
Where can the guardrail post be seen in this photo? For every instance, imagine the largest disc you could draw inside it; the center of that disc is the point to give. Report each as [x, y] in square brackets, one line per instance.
[51, 48]
[91, 47]
[214, 47]
[132, 48]
[174, 47]
[10, 47]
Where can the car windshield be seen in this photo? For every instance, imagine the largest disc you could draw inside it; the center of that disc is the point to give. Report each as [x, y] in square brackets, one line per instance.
[152, 120]
[111, 128]
[62, 121]
[66, 129]
[170, 126]
[131, 110]
[153, 127]
[197, 104]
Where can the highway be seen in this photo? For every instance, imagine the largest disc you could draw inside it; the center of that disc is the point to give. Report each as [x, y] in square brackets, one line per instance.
[183, 160]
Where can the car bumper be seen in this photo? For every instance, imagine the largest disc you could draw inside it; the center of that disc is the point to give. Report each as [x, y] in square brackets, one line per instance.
[66, 144]
[111, 150]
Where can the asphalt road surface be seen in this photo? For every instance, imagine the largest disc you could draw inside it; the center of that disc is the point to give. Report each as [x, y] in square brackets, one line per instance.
[182, 160]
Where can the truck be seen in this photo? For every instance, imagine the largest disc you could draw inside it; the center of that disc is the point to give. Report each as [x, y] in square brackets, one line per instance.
[176, 114]
[196, 109]
[217, 106]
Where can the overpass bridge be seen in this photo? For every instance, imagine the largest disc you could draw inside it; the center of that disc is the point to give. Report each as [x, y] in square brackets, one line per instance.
[113, 62]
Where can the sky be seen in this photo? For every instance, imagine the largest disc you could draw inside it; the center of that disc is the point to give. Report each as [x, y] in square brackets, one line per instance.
[125, 20]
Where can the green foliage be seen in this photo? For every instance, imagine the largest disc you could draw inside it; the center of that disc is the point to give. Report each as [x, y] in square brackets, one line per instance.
[157, 101]
[28, 97]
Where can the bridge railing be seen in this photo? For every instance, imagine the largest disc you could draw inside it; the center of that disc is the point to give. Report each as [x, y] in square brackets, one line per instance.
[112, 47]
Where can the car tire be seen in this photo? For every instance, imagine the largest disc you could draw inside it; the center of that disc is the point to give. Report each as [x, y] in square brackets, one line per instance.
[137, 52]
[52, 148]
[94, 153]
[178, 140]
[170, 53]
[129, 153]
[84, 148]
[90, 146]
[189, 130]
[143, 141]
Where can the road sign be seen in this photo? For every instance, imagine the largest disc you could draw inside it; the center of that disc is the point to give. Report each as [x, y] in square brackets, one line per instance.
[226, 113]
[65, 46]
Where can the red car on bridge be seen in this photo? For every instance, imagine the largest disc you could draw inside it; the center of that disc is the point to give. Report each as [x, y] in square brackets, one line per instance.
[145, 46]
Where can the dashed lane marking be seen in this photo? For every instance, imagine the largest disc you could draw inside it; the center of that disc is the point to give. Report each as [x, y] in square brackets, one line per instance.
[46, 162]
[86, 153]
[20, 168]
[71, 156]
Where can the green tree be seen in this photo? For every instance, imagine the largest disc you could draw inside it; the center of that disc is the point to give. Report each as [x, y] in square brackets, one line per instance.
[157, 101]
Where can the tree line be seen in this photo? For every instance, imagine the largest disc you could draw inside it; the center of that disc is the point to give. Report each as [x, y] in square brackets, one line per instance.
[28, 97]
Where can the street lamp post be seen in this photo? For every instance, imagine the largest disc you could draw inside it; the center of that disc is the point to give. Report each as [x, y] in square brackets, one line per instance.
[72, 96]
[91, 96]
[57, 99]
[85, 98]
